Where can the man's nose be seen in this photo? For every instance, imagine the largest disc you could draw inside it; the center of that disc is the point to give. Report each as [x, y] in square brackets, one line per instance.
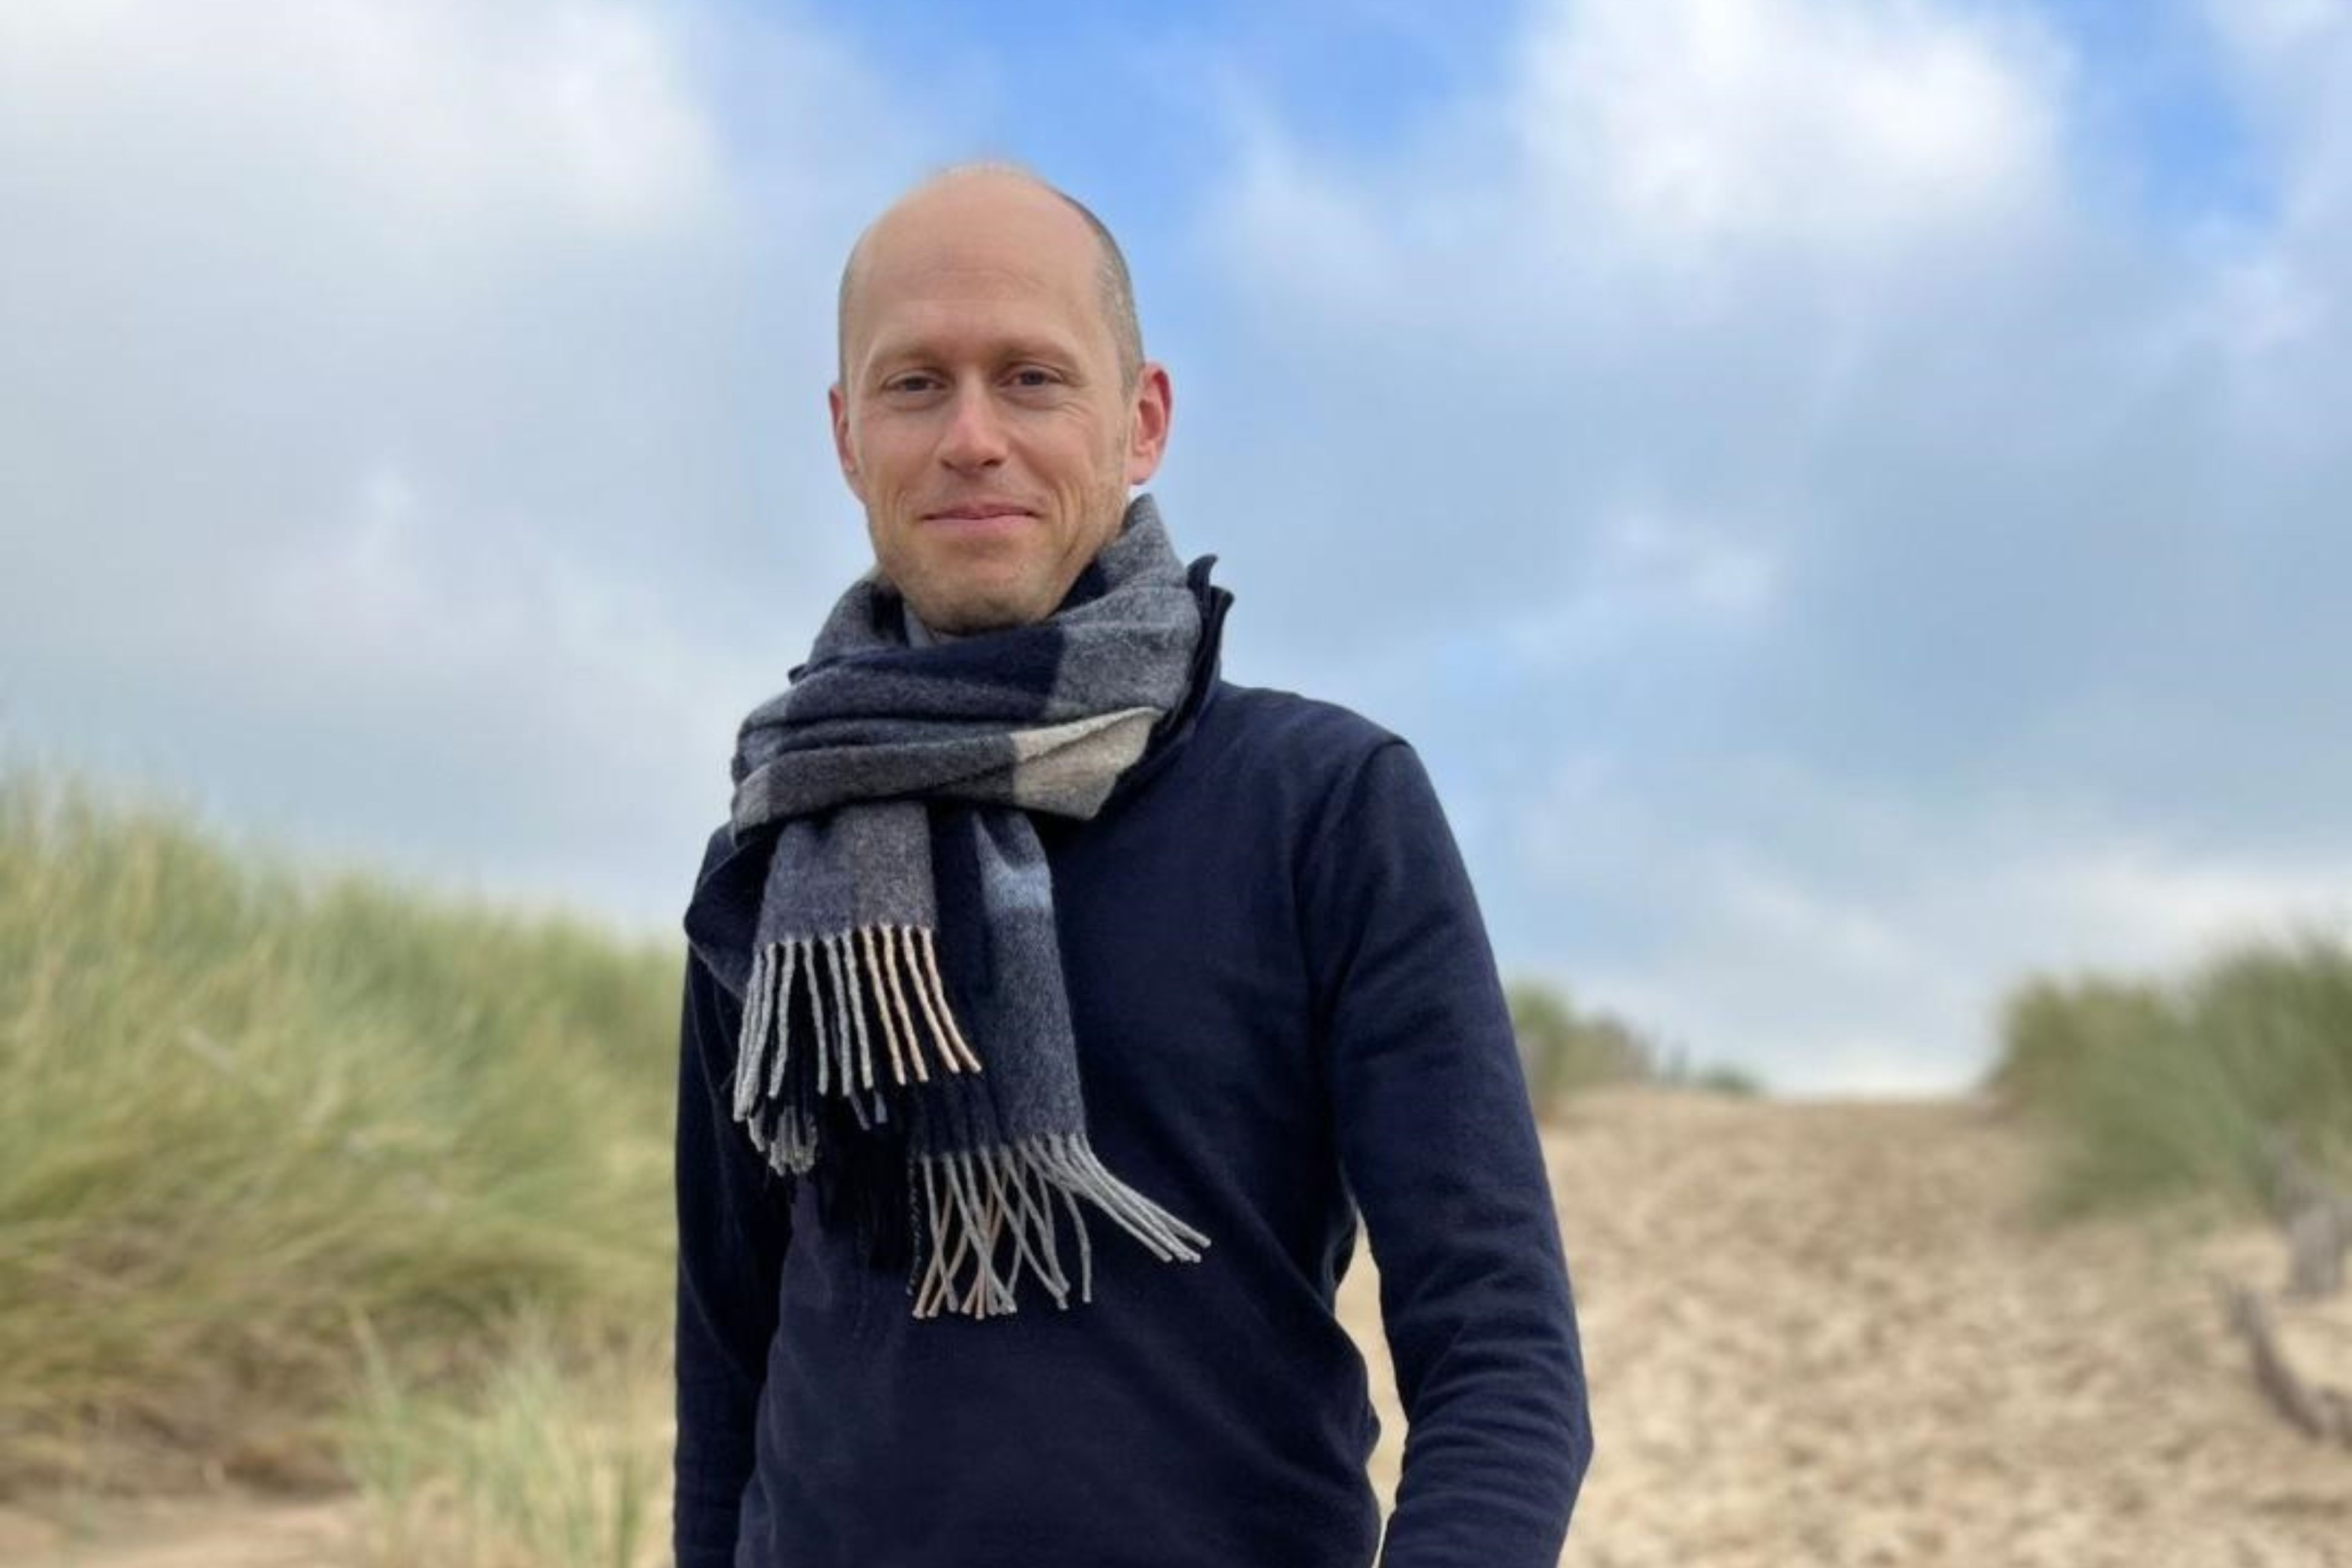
[974, 437]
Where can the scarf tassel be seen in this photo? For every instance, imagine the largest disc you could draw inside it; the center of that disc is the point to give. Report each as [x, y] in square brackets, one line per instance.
[871, 971]
[972, 1199]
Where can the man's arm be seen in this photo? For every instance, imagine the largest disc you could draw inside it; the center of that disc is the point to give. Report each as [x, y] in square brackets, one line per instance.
[733, 1227]
[1439, 1142]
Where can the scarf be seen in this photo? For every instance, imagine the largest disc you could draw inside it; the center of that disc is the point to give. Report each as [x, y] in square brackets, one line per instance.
[905, 1019]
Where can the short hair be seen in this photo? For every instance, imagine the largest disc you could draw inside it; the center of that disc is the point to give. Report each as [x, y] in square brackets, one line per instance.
[1114, 285]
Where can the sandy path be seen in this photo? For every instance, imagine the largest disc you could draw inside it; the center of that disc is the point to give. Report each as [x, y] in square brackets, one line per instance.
[1821, 1334]
[221, 1533]
[1818, 1334]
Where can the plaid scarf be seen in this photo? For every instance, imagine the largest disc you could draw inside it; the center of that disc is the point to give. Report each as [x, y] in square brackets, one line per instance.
[905, 967]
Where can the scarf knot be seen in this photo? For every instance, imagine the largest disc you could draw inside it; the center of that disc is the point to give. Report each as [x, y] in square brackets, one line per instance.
[905, 1020]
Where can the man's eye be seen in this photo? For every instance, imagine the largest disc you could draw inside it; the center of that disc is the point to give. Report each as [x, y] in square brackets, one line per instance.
[1031, 375]
[914, 381]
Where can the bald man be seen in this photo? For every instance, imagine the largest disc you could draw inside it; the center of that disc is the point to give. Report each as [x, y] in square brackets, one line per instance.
[1056, 1009]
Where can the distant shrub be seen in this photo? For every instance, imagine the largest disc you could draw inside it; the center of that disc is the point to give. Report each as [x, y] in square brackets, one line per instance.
[1564, 1050]
[2161, 1090]
[1731, 1080]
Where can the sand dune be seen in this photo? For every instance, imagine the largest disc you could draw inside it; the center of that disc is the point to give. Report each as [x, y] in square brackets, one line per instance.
[1823, 1334]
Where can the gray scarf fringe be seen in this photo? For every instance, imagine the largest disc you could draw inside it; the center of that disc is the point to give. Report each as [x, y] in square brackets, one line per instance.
[874, 754]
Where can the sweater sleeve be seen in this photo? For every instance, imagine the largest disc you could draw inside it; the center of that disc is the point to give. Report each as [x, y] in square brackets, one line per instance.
[733, 1227]
[1438, 1141]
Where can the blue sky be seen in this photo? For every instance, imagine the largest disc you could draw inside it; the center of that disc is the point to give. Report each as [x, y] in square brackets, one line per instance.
[1848, 498]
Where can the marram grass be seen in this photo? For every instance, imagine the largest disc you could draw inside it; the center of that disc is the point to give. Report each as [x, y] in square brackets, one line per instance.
[2156, 1093]
[245, 1109]
[557, 1458]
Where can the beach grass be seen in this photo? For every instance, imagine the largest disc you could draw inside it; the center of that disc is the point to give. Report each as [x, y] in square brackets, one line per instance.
[2156, 1091]
[249, 1107]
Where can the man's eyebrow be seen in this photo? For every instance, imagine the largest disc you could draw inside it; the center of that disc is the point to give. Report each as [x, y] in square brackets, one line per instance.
[886, 353]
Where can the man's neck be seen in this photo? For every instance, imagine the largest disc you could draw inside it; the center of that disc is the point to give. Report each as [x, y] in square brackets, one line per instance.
[918, 633]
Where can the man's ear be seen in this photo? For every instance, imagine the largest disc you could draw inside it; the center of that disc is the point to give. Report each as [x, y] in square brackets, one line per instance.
[837, 404]
[1149, 414]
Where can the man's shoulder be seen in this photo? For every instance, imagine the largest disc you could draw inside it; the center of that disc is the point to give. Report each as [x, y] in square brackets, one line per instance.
[720, 845]
[1301, 736]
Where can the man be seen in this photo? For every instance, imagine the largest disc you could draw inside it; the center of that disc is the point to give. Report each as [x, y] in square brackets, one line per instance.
[1056, 1005]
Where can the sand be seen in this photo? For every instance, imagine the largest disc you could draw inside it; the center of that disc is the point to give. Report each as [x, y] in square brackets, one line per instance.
[1824, 1333]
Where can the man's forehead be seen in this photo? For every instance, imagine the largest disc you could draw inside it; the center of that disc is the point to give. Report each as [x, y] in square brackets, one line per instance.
[974, 235]
[969, 323]
[944, 279]
[970, 289]
[973, 268]
[1004, 236]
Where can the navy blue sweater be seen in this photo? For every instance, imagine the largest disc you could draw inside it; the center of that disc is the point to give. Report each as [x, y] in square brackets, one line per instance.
[1286, 1013]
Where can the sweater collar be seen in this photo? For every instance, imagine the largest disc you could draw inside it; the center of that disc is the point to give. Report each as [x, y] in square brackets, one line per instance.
[1208, 660]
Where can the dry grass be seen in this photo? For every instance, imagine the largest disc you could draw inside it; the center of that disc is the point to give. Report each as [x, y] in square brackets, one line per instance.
[560, 1459]
[247, 1107]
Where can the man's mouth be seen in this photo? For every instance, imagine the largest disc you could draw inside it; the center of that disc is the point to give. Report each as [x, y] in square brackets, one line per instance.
[977, 512]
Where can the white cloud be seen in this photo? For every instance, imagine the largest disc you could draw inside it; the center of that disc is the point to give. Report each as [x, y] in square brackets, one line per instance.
[1824, 123]
[2281, 29]
[1647, 575]
[1685, 250]
[2291, 61]
[1636, 148]
[421, 126]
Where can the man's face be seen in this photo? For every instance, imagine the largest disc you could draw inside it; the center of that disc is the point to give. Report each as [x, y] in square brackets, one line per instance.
[981, 418]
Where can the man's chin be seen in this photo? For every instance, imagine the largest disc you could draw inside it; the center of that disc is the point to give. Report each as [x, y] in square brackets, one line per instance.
[970, 616]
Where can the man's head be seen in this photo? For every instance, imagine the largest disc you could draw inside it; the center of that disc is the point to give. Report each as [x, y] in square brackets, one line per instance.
[994, 403]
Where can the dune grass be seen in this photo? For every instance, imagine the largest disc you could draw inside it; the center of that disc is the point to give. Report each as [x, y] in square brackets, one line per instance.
[247, 1108]
[2157, 1092]
[1564, 1048]
[558, 1458]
